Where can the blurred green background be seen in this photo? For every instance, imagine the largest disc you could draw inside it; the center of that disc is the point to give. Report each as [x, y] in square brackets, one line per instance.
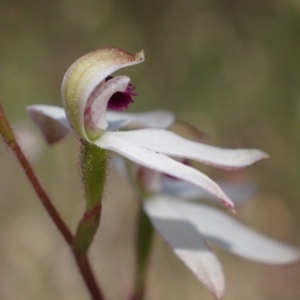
[231, 68]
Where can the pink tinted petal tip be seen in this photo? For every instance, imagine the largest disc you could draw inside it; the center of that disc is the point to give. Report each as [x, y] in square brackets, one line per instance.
[229, 206]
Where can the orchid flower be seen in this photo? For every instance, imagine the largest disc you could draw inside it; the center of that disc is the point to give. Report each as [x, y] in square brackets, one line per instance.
[89, 90]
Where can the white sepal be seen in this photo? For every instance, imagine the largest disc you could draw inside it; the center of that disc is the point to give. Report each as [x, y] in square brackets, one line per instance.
[166, 142]
[117, 142]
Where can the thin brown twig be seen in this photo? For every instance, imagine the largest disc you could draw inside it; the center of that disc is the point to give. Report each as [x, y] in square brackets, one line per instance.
[80, 258]
[45, 200]
[88, 276]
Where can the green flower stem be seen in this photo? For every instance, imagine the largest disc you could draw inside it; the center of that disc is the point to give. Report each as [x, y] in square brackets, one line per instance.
[82, 262]
[143, 248]
[93, 173]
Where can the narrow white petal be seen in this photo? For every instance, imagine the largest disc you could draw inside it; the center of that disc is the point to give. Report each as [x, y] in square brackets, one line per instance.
[54, 112]
[239, 193]
[151, 119]
[117, 142]
[166, 142]
[188, 244]
[51, 120]
[233, 236]
[45, 116]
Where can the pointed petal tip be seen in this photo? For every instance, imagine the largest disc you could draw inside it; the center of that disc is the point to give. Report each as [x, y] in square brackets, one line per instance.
[225, 200]
[263, 154]
[248, 158]
[233, 210]
[140, 56]
[229, 205]
[253, 156]
[218, 295]
[29, 109]
[289, 258]
[258, 155]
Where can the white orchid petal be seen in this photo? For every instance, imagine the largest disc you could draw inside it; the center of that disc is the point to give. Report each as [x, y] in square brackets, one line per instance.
[188, 244]
[233, 236]
[151, 119]
[87, 73]
[55, 112]
[169, 143]
[115, 120]
[239, 193]
[51, 120]
[117, 142]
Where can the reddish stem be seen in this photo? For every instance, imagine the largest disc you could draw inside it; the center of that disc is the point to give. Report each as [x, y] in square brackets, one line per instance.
[88, 276]
[81, 258]
[45, 200]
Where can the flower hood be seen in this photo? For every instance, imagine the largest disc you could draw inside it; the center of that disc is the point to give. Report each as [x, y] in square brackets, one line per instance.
[85, 93]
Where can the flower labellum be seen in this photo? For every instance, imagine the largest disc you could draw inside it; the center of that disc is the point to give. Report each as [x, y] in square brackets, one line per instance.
[120, 100]
[88, 87]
